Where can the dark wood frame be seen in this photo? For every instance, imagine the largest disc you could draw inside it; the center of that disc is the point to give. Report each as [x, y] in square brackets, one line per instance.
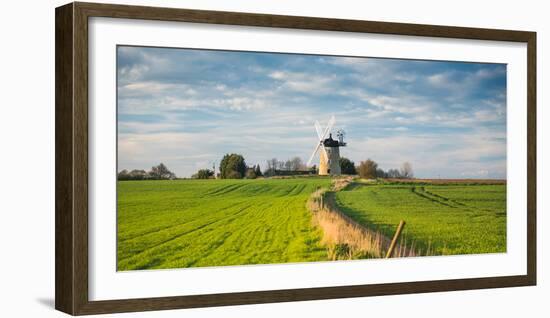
[71, 157]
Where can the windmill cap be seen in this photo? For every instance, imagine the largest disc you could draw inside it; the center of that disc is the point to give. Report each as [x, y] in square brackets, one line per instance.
[329, 142]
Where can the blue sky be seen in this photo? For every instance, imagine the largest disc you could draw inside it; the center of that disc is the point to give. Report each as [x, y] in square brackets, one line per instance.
[187, 108]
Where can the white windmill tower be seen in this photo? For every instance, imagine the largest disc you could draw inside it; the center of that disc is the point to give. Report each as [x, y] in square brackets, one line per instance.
[329, 154]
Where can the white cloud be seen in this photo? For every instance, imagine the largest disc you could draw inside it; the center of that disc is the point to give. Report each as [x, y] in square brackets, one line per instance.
[430, 155]
[440, 80]
[188, 109]
[398, 128]
[278, 75]
[133, 72]
[304, 82]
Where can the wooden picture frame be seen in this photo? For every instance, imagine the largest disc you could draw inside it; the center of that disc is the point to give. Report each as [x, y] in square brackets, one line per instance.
[71, 122]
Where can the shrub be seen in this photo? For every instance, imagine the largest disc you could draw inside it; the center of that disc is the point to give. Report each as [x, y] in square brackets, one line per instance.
[347, 166]
[204, 174]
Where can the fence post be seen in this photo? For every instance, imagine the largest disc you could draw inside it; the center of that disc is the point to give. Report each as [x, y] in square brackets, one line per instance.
[395, 238]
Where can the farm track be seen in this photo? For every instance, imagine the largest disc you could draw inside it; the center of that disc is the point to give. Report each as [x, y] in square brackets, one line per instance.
[456, 203]
[421, 192]
[436, 198]
[444, 198]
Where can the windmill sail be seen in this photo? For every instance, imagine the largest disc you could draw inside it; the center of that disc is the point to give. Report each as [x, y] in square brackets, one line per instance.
[319, 130]
[313, 154]
[322, 135]
[329, 127]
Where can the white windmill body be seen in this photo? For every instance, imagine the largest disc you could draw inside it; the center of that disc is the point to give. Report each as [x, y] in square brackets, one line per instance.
[332, 165]
[329, 150]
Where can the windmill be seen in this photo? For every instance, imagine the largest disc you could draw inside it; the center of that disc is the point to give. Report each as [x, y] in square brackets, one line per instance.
[328, 148]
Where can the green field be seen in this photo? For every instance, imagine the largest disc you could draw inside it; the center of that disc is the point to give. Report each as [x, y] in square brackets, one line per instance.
[196, 223]
[450, 219]
[192, 223]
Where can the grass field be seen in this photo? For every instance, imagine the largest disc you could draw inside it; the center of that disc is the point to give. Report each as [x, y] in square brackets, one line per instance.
[191, 223]
[196, 223]
[448, 219]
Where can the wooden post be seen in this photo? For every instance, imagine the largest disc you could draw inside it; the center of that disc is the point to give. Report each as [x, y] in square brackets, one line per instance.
[395, 238]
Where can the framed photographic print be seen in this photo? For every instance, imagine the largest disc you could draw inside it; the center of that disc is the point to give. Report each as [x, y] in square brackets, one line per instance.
[211, 158]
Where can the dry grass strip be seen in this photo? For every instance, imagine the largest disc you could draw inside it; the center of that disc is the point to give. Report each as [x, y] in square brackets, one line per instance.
[344, 237]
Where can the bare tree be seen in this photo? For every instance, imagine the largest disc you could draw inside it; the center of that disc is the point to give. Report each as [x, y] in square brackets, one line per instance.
[296, 164]
[393, 173]
[406, 171]
[380, 173]
[272, 164]
[288, 165]
[161, 172]
[258, 171]
[367, 169]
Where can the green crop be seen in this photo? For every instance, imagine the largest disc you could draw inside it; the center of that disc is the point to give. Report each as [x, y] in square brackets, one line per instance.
[196, 223]
[446, 219]
[192, 223]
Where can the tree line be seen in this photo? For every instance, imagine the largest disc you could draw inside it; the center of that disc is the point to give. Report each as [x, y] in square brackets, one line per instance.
[287, 167]
[369, 169]
[232, 166]
[159, 172]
